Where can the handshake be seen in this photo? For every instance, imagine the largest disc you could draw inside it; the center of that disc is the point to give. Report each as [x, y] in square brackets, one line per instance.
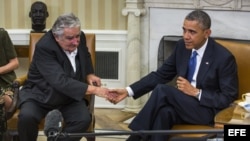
[113, 95]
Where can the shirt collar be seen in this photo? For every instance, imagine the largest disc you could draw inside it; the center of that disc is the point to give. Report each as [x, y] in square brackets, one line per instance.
[71, 53]
[201, 50]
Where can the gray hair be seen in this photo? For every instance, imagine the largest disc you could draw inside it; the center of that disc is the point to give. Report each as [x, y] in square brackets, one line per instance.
[201, 17]
[65, 21]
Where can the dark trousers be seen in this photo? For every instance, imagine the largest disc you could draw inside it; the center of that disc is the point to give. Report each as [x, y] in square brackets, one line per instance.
[76, 118]
[168, 106]
[3, 121]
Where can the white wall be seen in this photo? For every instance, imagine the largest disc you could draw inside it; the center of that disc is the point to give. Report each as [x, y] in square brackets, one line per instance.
[163, 21]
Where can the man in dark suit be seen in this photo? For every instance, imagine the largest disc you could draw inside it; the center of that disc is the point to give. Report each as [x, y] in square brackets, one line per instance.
[212, 87]
[59, 77]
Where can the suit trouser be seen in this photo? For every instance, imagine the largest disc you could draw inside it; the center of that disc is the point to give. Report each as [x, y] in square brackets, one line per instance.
[168, 106]
[76, 118]
[3, 121]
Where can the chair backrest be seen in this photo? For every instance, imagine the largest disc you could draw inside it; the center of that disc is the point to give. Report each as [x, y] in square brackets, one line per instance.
[34, 38]
[90, 41]
[241, 50]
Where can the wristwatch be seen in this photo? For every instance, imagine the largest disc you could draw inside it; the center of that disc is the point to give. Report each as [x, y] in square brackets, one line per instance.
[198, 94]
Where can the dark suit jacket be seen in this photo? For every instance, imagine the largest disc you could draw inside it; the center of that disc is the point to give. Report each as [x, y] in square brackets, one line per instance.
[217, 76]
[51, 77]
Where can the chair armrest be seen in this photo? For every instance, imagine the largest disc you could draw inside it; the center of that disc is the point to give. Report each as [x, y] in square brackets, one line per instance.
[91, 103]
[16, 86]
[225, 116]
[236, 102]
[20, 81]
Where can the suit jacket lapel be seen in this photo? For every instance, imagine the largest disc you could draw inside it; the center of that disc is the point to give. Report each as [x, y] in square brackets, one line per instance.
[184, 63]
[206, 61]
[67, 66]
[81, 60]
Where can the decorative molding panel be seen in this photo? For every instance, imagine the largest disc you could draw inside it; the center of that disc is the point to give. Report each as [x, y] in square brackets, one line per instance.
[19, 36]
[238, 5]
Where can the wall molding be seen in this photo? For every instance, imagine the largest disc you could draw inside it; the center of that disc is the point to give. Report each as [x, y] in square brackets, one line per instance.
[21, 36]
[232, 5]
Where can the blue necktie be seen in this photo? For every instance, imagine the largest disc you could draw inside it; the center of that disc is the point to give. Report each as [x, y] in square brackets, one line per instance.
[192, 65]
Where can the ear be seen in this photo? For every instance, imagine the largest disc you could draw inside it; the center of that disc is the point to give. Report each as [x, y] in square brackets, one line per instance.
[56, 37]
[29, 14]
[208, 32]
[47, 14]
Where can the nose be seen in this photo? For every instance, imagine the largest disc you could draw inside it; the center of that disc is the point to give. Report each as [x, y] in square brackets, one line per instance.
[186, 35]
[75, 41]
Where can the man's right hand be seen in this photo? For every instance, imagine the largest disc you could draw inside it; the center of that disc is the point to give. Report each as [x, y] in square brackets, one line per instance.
[117, 95]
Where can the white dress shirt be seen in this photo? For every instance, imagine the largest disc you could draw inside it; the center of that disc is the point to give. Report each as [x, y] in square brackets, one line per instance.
[72, 56]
